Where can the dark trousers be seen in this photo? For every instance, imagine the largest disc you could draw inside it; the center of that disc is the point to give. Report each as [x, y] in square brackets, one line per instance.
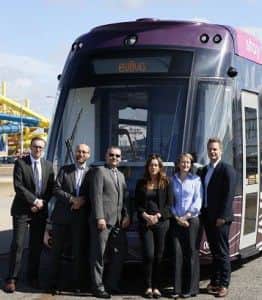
[74, 234]
[217, 238]
[186, 257]
[36, 234]
[153, 245]
[112, 242]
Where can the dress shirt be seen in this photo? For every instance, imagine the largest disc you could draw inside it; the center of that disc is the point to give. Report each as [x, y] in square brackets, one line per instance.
[79, 175]
[39, 168]
[210, 171]
[187, 195]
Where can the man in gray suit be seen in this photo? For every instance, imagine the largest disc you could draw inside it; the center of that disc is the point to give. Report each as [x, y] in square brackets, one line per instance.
[69, 218]
[109, 218]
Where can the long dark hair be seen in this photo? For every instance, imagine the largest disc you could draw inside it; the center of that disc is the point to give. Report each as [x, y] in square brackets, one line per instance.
[162, 178]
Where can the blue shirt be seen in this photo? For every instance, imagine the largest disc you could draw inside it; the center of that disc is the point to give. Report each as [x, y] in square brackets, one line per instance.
[188, 195]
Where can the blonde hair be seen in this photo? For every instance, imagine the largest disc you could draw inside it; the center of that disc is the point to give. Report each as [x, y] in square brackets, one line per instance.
[180, 157]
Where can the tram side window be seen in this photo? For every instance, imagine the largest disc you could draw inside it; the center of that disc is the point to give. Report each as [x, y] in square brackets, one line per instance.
[213, 118]
[251, 146]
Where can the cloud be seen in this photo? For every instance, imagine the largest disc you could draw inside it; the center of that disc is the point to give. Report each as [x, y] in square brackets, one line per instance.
[131, 4]
[29, 78]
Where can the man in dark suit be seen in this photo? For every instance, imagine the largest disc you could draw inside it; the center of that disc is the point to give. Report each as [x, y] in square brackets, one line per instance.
[219, 180]
[109, 218]
[69, 218]
[33, 184]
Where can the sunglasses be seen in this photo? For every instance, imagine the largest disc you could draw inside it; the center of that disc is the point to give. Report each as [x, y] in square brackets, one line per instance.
[114, 155]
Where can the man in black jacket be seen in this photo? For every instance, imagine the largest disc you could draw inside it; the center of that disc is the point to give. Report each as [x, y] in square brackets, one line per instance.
[219, 180]
[33, 184]
[69, 218]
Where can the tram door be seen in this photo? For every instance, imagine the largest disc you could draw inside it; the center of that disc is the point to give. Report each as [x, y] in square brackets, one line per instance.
[251, 168]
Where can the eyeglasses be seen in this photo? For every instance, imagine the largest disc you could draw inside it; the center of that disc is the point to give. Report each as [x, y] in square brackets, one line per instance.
[114, 155]
[37, 147]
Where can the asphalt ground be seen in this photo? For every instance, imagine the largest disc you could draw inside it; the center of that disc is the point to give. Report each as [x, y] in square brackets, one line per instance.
[245, 284]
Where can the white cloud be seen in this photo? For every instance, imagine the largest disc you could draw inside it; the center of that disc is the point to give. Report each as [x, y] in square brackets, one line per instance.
[29, 78]
[23, 83]
[131, 4]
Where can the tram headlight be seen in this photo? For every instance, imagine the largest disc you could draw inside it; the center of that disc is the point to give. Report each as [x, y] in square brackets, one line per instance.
[74, 46]
[204, 38]
[130, 40]
[217, 38]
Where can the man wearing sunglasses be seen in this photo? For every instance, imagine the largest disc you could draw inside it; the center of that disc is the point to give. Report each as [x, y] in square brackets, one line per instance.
[109, 218]
[33, 184]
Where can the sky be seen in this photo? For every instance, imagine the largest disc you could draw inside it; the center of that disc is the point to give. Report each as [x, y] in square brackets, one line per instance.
[36, 35]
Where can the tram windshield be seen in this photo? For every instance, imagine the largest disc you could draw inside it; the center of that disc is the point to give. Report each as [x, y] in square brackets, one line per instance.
[139, 119]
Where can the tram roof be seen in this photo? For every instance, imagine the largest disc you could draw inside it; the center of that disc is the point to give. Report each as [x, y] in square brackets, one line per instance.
[175, 33]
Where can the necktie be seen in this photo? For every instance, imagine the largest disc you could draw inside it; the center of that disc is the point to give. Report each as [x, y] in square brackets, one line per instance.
[115, 176]
[37, 179]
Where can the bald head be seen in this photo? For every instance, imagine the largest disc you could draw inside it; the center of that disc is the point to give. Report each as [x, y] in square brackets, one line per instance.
[82, 153]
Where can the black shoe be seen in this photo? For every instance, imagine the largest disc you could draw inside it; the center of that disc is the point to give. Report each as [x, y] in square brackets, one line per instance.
[115, 291]
[185, 295]
[77, 291]
[101, 294]
[33, 283]
[53, 289]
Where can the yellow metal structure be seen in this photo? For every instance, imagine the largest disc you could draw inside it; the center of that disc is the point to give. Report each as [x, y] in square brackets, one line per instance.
[12, 107]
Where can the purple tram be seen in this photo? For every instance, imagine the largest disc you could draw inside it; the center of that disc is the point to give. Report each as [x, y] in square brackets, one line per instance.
[166, 87]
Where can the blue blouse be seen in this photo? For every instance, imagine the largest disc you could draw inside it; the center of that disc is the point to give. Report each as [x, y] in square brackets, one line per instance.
[188, 195]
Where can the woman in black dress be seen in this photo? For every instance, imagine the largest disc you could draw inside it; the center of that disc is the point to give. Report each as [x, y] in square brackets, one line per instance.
[154, 198]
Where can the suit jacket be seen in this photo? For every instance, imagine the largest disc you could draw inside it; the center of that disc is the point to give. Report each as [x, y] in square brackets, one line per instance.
[65, 188]
[24, 186]
[164, 200]
[108, 199]
[220, 192]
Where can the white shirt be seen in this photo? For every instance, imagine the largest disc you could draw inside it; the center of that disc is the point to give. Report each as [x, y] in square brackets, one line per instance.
[79, 175]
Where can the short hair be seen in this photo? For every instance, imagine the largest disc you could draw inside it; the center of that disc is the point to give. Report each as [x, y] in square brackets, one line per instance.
[182, 155]
[113, 147]
[215, 140]
[37, 138]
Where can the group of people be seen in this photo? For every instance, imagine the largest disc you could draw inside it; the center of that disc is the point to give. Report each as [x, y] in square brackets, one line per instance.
[97, 199]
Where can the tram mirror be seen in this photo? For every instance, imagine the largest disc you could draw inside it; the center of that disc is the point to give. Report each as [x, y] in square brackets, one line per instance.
[59, 77]
[232, 72]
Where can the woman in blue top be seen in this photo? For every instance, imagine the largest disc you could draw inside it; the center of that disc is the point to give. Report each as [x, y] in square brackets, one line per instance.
[185, 228]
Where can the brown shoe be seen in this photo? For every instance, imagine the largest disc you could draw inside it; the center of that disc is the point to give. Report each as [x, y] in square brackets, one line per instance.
[9, 286]
[212, 289]
[222, 292]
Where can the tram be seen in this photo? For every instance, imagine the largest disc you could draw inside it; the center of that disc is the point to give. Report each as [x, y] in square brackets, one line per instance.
[155, 86]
